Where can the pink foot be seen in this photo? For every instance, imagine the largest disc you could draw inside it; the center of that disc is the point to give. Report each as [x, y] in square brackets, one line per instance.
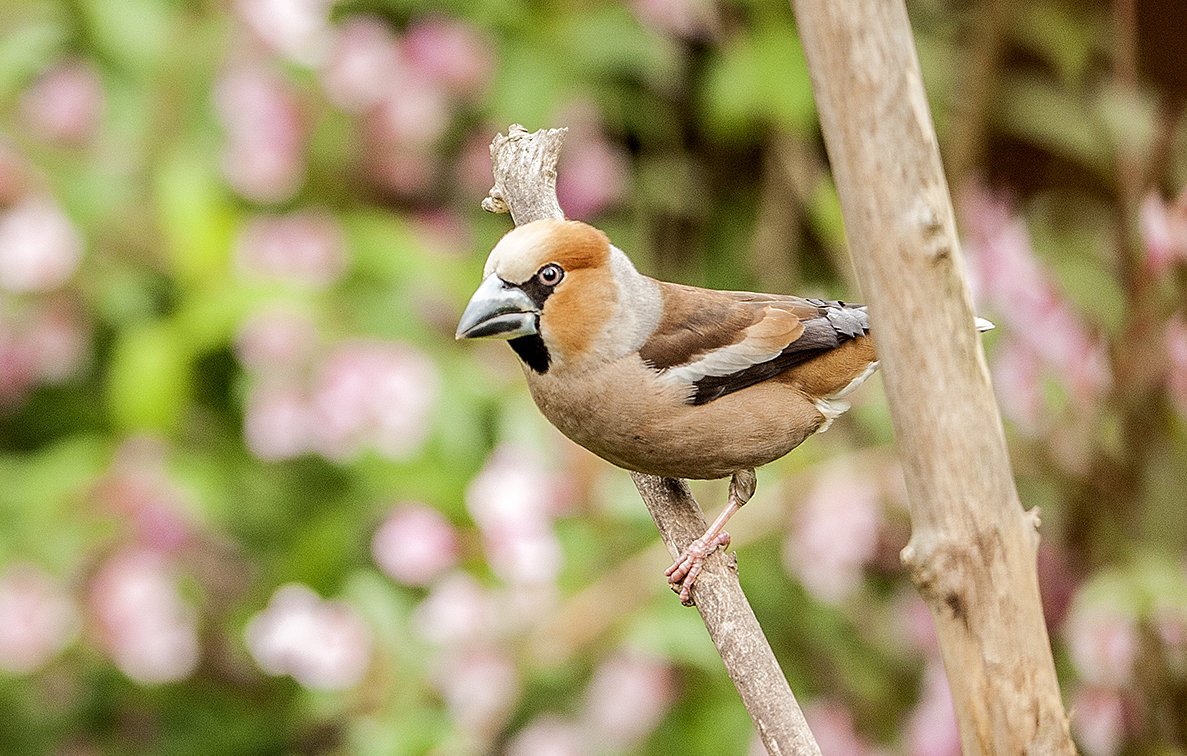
[684, 571]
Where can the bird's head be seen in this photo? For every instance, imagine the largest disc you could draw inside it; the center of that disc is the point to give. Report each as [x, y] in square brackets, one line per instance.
[550, 287]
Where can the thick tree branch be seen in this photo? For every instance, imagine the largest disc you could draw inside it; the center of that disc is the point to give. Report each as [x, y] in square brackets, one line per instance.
[972, 548]
[524, 167]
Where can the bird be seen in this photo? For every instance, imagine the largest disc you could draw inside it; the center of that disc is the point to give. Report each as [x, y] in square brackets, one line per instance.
[663, 378]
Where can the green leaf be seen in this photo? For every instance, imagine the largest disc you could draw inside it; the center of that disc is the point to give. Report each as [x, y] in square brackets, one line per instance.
[195, 216]
[41, 495]
[134, 32]
[528, 88]
[1068, 39]
[148, 383]
[785, 84]
[1045, 115]
[607, 41]
[382, 246]
[25, 51]
[1128, 116]
[1075, 240]
[672, 631]
[755, 82]
[208, 318]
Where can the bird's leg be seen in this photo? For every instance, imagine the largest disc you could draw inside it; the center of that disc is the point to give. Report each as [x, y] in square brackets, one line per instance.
[683, 572]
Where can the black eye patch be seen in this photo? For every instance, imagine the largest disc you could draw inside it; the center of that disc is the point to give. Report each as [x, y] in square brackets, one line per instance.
[538, 292]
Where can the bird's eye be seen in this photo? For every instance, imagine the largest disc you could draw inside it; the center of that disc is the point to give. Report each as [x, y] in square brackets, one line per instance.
[551, 274]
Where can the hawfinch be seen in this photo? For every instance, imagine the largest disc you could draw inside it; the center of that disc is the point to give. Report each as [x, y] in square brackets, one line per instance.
[661, 378]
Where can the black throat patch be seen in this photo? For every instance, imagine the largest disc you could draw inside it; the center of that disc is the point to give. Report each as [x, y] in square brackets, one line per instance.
[532, 351]
[531, 348]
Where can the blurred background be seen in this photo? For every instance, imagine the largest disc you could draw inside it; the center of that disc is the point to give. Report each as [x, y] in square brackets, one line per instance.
[254, 499]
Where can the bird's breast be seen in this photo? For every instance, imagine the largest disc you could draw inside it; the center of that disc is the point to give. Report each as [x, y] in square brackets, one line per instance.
[630, 415]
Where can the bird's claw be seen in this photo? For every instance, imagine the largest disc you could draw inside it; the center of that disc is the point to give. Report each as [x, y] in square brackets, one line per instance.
[684, 571]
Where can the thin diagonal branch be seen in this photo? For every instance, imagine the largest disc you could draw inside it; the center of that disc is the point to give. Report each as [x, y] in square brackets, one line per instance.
[524, 166]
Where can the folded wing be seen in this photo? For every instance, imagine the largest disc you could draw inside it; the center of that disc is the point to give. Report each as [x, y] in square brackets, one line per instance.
[719, 342]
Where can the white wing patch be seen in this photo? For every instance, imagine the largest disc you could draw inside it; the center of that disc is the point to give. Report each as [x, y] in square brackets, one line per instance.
[763, 341]
[834, 405]
[831, 409]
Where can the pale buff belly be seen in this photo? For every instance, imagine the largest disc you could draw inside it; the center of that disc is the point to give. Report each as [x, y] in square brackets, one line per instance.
[625, 416]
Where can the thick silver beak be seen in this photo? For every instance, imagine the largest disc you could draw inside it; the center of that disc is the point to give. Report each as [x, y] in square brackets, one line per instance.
[498, 310]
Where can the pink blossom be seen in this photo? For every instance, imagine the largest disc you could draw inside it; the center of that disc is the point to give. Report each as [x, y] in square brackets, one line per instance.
[1098, 720]
[835, 534]
[322, 644]
[365, 394]
[932, 728]
[832, 724]
[1009, 279]
[278, 423]
[47, 342]
[1077, 357]
[263, 158]
[297, 29]
[523, 553]
[65, 104]
[1164, 231]
[57, 340]
[473, 166]
[594, 176]
[515, 486]
[528, 600]
[18, 367]
[1170, 626]
[263, 172]
[276, 341]
[457, 612]
[307, 246]
[415, 544]
[513, 500]
[1176, 357]
[548, 735]
[374, 393]
[1057, 582]
[1102, 643]
[14, 173]
[915, 624]
[39, 246]
[690, 19]
[363, 63]
[412, 116]
[37, 618]
[480, 687]
[1003, 266]
[137, 489]
[628, 697]
[404, 172]
[449, 53]
[141, 620]
[442, 232]
[1018, 383]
